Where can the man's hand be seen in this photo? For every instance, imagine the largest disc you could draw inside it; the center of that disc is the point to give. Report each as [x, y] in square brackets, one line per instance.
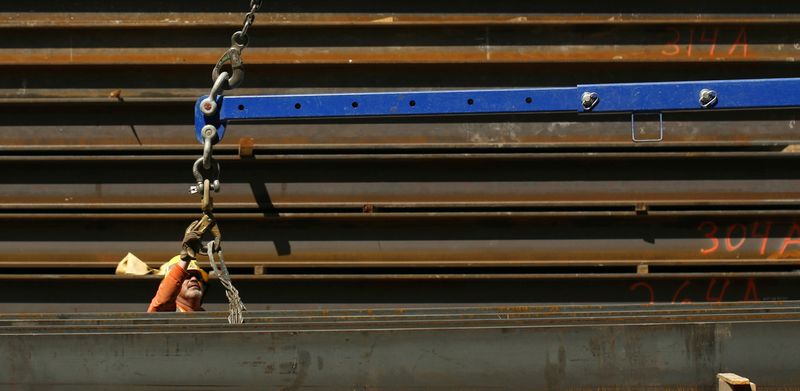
[190, 246]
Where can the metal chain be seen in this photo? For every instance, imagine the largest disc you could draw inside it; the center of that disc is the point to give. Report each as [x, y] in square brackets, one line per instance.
[249, 18]
[235, 305]
[206, 169]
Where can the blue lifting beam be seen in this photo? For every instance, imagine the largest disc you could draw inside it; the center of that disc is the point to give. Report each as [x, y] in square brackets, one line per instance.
[590, 98]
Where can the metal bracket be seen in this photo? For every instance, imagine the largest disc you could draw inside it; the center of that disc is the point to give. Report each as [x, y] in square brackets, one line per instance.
[647, 140]
[587, 99]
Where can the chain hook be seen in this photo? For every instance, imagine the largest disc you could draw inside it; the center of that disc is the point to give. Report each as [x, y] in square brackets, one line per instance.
[232, 56]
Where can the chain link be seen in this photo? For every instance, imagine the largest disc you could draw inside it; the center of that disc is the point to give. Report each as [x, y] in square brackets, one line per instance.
[249, 18]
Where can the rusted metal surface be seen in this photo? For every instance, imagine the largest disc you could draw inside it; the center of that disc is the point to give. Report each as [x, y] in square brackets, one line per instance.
[124, 126]
[97, 143]
[160, 85]
[43, 293]
[553, 44]
[395, 183]
[97, 101]
[649, 347]
[188, 20]
[384, 241]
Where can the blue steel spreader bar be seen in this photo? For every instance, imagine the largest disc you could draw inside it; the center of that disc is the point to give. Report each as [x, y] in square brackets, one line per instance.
[590, 98]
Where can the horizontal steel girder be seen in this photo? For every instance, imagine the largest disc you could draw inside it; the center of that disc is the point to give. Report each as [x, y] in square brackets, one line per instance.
[547, 348]
[101, 241]
[67, 293]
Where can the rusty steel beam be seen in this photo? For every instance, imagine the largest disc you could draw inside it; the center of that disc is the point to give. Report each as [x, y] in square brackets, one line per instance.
[429, 183]
[129, 93]
[655, 346]
[124, 126]
[172, 87]
[190, 20]
[149, 125]
[411, 6]
[48, 293]
[742, 238]
[338, 319]
[407, 45]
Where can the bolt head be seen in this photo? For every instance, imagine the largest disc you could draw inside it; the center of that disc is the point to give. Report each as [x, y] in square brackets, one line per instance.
[708, 97]
[589, 100]
[208, 106]
[209, 131]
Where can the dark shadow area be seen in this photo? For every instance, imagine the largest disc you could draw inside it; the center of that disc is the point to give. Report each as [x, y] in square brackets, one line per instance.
[265, 205]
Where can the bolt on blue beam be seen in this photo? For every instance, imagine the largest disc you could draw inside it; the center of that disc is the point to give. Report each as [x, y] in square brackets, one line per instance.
[679, 96]
[386, 104]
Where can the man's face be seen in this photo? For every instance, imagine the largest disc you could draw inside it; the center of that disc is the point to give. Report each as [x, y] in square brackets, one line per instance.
[192, 287]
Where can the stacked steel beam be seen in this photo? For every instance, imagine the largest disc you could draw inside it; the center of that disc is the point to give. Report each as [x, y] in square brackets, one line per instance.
[401, 230]
[97, 141]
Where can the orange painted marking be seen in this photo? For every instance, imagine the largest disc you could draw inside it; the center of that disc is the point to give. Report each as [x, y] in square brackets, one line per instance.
[712, 40]
[793, 237]
[722, 290]
[733, 227]
[642, 284]
[741, 40]
[751, 293]
[675, 49]
[764, 236]
[710, 235]
[678, 292]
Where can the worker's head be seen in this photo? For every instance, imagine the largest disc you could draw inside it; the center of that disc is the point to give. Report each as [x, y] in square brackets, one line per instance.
[193, 287]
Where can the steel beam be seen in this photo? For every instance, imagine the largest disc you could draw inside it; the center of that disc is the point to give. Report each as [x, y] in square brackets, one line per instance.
[102, 125]
[454, 349]
[505, 44]
[48, 293]
[97, 241]
[198, 20]
[391, 182]
[89, 241]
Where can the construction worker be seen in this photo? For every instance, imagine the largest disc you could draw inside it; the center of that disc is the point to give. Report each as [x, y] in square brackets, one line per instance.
[184, 282]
